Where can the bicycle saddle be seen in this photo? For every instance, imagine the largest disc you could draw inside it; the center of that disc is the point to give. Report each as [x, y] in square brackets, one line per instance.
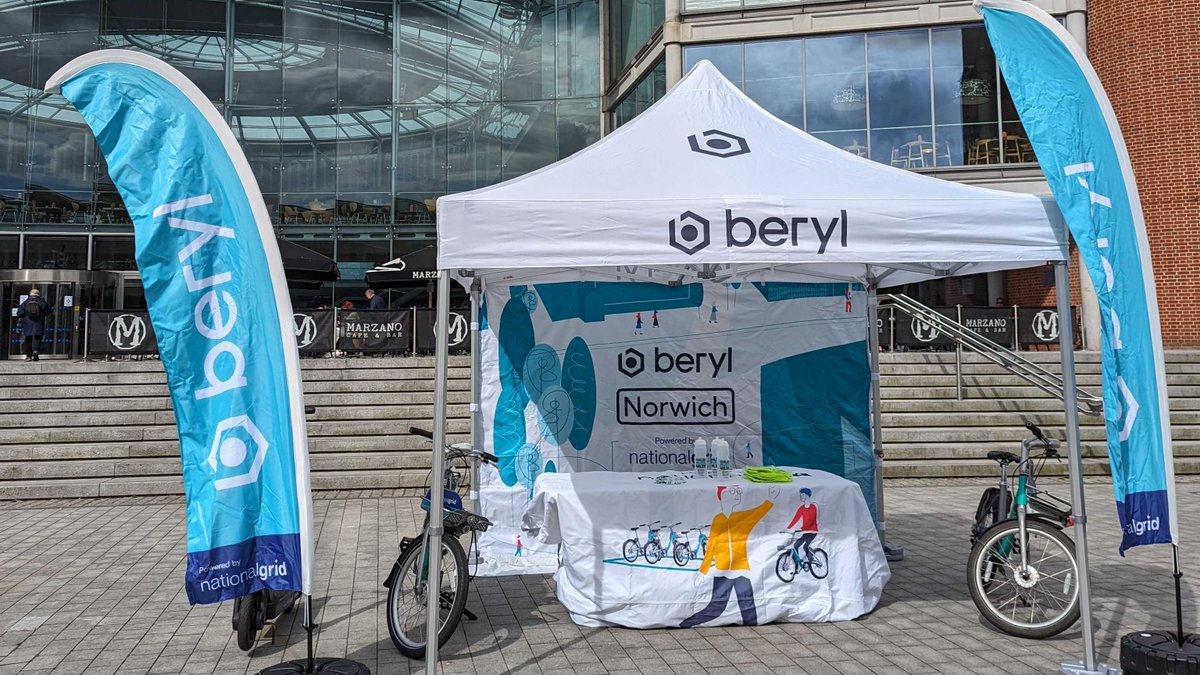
[1002, 456]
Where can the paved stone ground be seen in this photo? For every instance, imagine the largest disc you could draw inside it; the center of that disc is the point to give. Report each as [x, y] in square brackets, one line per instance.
[96, 586]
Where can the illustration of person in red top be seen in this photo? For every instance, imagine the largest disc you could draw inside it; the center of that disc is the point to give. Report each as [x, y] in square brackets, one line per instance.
[806, 515]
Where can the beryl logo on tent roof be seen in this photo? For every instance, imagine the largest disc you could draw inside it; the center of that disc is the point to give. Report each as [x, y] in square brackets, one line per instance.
[718, 144]
[690, 232]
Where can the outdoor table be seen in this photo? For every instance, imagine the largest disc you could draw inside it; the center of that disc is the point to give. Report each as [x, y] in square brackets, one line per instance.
[601, 521]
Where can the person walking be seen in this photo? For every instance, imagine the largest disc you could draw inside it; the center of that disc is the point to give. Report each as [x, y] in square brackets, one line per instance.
[33, 313]
[375, 300]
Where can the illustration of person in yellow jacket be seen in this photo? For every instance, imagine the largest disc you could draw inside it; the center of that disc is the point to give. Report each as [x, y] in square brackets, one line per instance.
[727, 554]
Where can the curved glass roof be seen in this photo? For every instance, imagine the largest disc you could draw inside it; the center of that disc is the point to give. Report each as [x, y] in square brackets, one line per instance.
[459, 50]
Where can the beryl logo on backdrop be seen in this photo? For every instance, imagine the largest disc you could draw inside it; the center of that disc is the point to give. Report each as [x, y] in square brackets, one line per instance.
[691, 232]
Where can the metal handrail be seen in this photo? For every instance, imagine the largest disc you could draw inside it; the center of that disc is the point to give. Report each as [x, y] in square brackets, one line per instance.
[1089, 404]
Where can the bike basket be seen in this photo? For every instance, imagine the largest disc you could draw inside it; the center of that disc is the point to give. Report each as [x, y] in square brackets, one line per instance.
[1044, 508]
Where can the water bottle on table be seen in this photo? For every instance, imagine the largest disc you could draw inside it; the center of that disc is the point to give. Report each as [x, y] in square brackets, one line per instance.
[700, 458]
[722, 456]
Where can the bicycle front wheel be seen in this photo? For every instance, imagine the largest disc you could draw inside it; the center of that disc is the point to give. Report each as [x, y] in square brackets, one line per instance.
[1037, 601]
[408, 596]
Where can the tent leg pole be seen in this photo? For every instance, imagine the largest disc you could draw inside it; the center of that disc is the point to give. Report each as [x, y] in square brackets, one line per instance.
[476, 437]
[892, 553]
[1066, 347]
[433, 545]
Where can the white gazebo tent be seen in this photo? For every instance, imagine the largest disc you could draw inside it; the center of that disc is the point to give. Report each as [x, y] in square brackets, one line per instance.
[707, 186]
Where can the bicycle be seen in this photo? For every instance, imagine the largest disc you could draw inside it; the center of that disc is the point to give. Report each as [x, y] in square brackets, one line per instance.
[407, 583]
[681, 551]
[789, 563]
[1021, 561]
[651, 550]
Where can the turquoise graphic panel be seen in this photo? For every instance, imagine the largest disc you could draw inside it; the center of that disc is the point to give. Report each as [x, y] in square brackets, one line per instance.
[595, 301]
[579, 379]
[515, 338]
[815, 413]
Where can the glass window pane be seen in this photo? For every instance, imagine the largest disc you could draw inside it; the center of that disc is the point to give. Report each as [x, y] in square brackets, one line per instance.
[9, 250]
[113, 253]
[835, 84]
[55, 252]
[62, 157]
[65, 30]
[727, 58]
[700, 5]
[578, 126]
[364, 150]
[964, 88]
[421, 148]
[900, 98]
[260, 53]
[365, 60]
[775, 78]
[578, 40]
[528, 133]
[16, 91]
[631, 23]
[473, 147]
[531, 73]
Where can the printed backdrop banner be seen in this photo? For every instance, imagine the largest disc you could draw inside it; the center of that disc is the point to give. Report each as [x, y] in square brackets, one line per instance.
[625, 376]
[459, 336]
[1075, 134]
[219, 304]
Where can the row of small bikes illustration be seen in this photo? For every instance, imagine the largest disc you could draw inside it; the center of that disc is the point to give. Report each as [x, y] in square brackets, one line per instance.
[791, 559]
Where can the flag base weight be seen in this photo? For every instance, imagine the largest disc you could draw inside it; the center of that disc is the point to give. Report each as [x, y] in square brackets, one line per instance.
[322, 666]
[1158, 651]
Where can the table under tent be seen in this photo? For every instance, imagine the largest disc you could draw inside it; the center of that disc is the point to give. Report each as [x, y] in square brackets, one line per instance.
[706, 270]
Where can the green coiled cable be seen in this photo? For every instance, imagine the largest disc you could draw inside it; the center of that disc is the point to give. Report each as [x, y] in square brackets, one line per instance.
[767, 474]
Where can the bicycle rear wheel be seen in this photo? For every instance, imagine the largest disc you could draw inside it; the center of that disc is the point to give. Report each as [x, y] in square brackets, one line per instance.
[1038, 601]
[408, 594]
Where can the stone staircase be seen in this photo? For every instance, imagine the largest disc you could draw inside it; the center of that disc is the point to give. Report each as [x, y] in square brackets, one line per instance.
[106, 429]
[928, 433]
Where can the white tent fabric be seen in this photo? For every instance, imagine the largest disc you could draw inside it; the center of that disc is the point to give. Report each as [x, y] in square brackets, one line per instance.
[706, 183]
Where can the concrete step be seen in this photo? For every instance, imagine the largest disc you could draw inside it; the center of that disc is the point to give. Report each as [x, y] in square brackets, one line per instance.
[1009, 434]
[985, 469]
[397, 413]
[961, 418]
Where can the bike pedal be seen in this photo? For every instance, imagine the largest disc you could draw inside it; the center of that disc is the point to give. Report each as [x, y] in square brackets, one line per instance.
[469, 614]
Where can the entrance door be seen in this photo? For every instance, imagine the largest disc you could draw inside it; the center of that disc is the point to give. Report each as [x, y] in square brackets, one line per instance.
[61, 332]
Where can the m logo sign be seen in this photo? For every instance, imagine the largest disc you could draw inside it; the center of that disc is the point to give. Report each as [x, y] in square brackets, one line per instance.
[689, 232]
[459, 329]
[126, 332]
[1045, 325]
[306, 329]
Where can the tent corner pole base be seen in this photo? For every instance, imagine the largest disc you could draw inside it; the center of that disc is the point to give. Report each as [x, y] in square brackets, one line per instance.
[1077, 668]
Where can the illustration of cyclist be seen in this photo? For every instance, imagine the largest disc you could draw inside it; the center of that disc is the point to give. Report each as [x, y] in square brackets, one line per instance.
[727, 555]
[806, 515]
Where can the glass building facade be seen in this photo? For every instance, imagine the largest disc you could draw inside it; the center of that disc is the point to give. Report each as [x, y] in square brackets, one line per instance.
[354, 115]
[914, 99]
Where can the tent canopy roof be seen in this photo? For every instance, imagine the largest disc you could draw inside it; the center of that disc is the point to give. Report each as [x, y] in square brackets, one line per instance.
[707, 184]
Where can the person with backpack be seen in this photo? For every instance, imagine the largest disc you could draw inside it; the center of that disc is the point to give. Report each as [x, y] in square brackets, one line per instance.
[33, 313]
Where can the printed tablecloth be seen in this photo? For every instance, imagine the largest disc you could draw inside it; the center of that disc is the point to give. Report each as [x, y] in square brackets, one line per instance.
[725, 551]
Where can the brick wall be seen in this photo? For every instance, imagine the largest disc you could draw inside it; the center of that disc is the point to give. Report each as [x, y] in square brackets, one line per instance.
[1148, 57]
[1034, 287]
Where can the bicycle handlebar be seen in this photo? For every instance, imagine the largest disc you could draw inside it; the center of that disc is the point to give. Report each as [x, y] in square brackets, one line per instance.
[485, 456]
